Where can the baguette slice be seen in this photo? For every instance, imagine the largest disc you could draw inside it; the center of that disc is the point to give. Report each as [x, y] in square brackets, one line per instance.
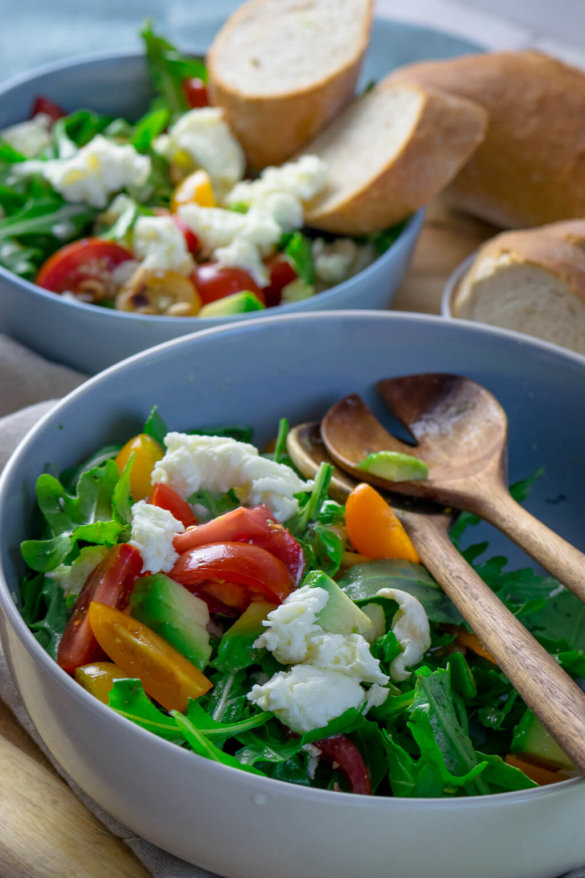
[281, 69]
[531, 281]
[389, 153]
[530, 169]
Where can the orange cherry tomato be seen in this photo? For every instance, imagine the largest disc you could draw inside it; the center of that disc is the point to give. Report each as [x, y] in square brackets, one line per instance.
[147, 452]
[166, 675]
[194, 189]
[373, 528]
[98, 678]
[538, 773]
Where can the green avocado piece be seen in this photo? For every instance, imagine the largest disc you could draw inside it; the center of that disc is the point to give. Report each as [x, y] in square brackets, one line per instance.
[237, 303]
[394, 466]
[175, 614]
[236, 648]
[339, 615]
[532, 739]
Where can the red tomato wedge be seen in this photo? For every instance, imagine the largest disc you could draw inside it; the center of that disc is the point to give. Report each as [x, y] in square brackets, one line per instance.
[195, 91]
[110, 583]
[48, 107]
[340, 749]
[215, 282]
[256, 526]
[281, 274]
[84, 268]
[166, 498]
[258, 570]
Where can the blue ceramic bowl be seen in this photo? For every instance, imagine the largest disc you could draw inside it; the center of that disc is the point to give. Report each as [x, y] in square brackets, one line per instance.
[231, 822]
[90, 338]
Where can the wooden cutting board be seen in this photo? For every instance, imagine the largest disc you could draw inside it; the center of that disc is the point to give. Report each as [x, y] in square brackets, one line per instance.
[45, 830]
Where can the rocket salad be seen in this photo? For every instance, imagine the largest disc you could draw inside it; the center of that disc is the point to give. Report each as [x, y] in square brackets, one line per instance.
[161, 216]
[208, 593]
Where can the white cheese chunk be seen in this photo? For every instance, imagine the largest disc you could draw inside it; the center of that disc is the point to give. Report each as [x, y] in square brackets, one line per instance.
[302, 178]
[153, 532]
[29, 137]
[204, 135]
[94, 172]
[291, 626]
[161, 246]
[347, 653]
[306, 697]
[411, 628]
[218, 463]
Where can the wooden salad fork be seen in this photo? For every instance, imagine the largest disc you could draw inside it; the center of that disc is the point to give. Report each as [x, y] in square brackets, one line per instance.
[460, 431]
[543, 685]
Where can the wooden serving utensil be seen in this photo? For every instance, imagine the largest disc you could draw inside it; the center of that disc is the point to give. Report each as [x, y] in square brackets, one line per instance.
[461, 434]
[553, 696]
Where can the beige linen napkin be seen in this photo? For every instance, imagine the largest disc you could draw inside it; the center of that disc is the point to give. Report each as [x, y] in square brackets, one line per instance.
[30, 387]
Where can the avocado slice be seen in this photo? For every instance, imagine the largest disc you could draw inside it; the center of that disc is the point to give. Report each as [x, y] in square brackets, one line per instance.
[532, 739]
[394, 466]
[237, 303]
[178, 616]
[236, 650]
[339, 615]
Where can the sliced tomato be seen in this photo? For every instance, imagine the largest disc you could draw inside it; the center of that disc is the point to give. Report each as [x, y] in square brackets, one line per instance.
[256, 569]
[110, 583]
[196, 93]
[49, 108]
[341, 750]
[281, 273]
[84, 268]
[167, 498]
[256, 526]
[215, 282]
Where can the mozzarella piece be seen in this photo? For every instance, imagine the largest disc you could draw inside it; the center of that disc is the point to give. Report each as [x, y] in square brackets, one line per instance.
[206, 138]
[161, 245]
[302, 178]
[306, 697]
[411, 628]
[214, 226]
[29, 137]
[348, 654]
[94, 172]
[218, 463]
[153, 532]
[334, 262]
[291, 626]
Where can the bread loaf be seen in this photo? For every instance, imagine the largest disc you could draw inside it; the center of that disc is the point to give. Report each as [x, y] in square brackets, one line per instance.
[530, 168]
[388, 154]
[530, 281]
[281, 69]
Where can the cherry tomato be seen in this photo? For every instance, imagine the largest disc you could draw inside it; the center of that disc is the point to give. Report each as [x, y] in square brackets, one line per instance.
[98, 678]
[84, 268]
[46, 106]
[215, 282]
[256, 526]
[110, 583]
[167, 498]
[166, 675]
[256, 569]
[147, 452]
[340, 749]
[281, 273]
[196, 92]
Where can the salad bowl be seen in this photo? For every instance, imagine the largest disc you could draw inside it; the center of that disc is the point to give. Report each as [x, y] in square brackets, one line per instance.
[232, 822]
[89, 338]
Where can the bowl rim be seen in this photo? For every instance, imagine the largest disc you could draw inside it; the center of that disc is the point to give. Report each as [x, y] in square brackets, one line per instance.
[28, 641]
[412, 224]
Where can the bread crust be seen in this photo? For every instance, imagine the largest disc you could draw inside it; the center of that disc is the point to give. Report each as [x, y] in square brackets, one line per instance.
[447, 131]
[558, 249]
[530, 169]
[271, 127]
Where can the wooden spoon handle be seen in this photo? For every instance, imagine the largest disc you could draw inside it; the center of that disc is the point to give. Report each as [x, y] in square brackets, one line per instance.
[545, 687]
[560, 558]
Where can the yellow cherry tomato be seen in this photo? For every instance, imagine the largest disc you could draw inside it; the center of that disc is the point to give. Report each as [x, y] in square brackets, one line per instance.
[373, 528]
[98, 678]
[166, 675]
[147, 452]
[194, 189]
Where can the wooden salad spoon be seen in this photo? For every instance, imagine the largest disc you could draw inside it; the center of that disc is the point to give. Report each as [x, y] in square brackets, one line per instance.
[461, 434]
[543, 685]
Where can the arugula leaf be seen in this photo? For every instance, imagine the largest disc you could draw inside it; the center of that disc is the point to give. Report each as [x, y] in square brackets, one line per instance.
[168, 68]
[148, 128]
[155, 427]
[227, 701]
[44, 610]
[75, 130]
[127, 697]
[204, 747]
[214, 729]
[402, 771]
[362, 581]
[269, 744]
[19, 259]
[299, 250]
[234, 431]
[502, 776]
[41, 217]
[9, 154]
